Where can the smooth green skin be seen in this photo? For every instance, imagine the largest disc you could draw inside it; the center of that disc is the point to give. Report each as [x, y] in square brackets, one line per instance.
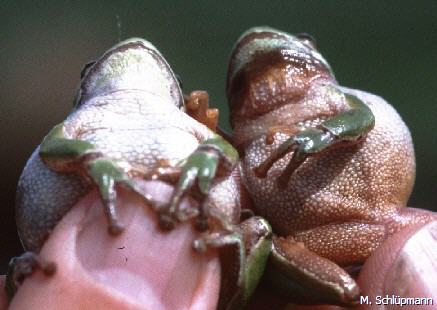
[202, 165]
[349, 125]
[256, 262]
[224, 146]
[353, 123]
[56, 147]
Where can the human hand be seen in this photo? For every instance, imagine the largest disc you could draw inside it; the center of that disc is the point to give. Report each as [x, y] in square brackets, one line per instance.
[143, 268]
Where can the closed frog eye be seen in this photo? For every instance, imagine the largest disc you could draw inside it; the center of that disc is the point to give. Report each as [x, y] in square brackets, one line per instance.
[307, 39]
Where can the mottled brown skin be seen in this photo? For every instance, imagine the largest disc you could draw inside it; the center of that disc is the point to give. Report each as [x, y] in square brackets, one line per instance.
[343, 203]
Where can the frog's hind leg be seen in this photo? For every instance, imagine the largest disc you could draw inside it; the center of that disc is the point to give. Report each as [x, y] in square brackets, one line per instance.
[300, 274]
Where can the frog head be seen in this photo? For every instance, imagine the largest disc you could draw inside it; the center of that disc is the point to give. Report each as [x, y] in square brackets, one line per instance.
[270, 68]
[133, 64]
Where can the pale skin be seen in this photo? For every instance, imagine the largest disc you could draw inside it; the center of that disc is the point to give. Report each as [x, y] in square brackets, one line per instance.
[329, 167]
[97, 270]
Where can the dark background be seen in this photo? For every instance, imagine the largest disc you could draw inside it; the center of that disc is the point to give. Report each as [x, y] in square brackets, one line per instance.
[385, 47]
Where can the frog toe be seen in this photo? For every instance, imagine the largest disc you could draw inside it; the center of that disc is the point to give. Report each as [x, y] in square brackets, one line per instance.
[166, 221]
[23, 266]
[115, 229]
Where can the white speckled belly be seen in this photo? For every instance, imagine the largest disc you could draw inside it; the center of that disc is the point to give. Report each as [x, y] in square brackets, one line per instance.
[141, 136]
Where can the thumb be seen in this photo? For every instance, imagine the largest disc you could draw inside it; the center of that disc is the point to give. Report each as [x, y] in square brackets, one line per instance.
[403, 267]
[143, 268]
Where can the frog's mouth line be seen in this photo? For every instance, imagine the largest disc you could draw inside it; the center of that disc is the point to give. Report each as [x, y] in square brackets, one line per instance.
[143, 268]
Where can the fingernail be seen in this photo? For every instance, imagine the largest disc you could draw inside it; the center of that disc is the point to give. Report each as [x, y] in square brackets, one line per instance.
[414, 272]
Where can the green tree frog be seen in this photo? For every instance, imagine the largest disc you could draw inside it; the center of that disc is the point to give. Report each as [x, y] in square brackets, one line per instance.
[129, 123]
[331, 168]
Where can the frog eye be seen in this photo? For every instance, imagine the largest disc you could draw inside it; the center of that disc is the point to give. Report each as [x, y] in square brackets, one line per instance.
[86, 68]
[307, 39]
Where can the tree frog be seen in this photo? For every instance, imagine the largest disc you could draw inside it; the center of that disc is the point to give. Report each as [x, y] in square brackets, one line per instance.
[331, 168]
[129, 123]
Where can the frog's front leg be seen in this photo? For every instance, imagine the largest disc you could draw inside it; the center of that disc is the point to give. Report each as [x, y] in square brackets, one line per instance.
[214, 158]
[347, 127]
[64, 154]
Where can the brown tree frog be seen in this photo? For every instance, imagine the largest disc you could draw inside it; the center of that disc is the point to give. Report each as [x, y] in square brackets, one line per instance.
[129, 123]
[330, 168]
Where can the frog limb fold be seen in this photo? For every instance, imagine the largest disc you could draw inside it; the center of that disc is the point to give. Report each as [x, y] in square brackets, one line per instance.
[73, 155]
[346, 127]
[214, 158]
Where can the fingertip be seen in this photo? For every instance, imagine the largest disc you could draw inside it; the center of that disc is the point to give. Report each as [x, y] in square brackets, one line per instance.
[403, 267]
